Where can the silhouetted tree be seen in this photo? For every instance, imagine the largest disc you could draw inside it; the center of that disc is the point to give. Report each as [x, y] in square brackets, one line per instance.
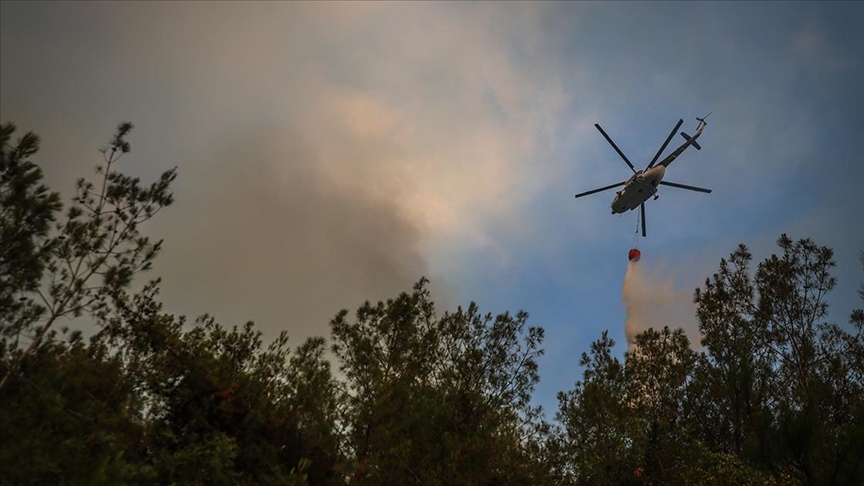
[786, 384]
[68, 414]
[221, 408]
[27, 209]
[439, 400]
[96, 250]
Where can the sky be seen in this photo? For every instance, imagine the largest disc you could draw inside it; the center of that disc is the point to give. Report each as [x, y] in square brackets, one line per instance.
[331, 153]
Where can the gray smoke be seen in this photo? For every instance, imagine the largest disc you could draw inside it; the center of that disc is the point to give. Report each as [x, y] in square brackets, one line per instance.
[268, 236]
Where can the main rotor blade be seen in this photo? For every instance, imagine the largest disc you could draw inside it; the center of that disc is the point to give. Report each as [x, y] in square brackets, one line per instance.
[615, 147]
[672, 134]
[684, 186]
[601, 189]
[644, 234]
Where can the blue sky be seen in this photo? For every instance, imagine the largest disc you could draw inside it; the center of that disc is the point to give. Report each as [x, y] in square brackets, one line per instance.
[332, 153]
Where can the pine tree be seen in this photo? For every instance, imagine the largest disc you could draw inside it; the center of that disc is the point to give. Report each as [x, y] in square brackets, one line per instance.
[93, 254]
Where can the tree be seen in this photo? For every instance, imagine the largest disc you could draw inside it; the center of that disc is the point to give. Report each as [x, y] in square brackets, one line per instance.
[27, 209]
[94, 253]
[784, 386]
[438, 400]
[67, 412]
[71, 419]
[596, 421]
[313, 401]
[737, 372]
[220, 408]
[146, 400]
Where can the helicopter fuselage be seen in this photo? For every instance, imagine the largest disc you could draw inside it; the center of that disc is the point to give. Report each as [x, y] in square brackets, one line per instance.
[643, 184]
[638, 189]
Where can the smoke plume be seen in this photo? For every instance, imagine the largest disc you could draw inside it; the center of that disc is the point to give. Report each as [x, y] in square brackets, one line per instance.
[326, 154]
[276, 239]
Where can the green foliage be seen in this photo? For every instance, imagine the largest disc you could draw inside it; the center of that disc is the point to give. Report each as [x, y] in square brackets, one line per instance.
[220, 408]
[786, 383]
[27, 209]
[93, 254]
[597, 423]
[736, 373]
[438, 400]
[71, 420]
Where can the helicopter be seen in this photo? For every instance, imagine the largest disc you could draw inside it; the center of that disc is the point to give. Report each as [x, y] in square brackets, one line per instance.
[643, 184]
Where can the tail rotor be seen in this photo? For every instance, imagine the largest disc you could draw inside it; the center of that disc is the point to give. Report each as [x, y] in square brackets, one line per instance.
[702, 120]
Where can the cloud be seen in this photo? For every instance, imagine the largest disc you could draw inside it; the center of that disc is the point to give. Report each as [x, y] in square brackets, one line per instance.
[811, 44]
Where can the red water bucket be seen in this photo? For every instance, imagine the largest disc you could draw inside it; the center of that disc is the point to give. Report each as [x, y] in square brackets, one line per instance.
[634, 254]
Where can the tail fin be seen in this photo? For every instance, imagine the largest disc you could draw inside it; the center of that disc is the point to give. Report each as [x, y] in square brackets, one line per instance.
[691, 140]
